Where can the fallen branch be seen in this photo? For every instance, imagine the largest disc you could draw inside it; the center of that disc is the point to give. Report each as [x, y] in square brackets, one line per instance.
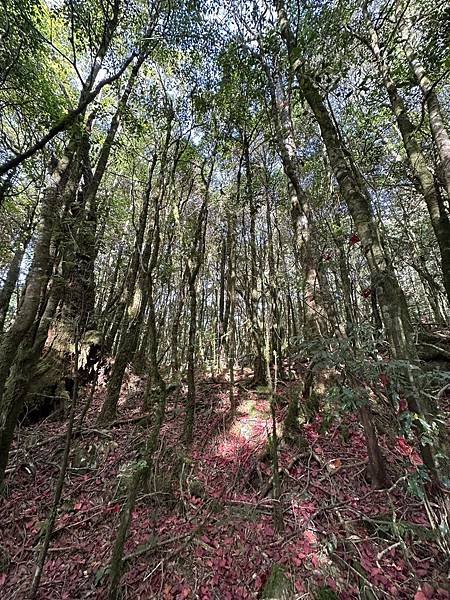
[87, 431]
[154, 544]
[284, 470]
[135, 419]
[364, 579]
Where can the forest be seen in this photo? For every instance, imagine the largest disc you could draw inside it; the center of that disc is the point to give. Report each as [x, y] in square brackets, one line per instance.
[224, 299]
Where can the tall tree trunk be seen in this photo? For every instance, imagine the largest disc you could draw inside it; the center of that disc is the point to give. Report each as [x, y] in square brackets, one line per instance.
[300, 209]
[221, 311]
[174, 333]
[424, 176]
[190, 398]
[11, 279]
[21, 376]
[439, 131]
[259, 374]
[231, 296]
[135, 300]
[39, 270]
[193, 265]
[394, 309]
[81, 280]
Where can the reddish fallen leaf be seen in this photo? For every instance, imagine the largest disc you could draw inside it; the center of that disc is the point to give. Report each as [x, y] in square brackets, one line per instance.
[393, 590]
[334, 465]
[384, 379]
[184, 593]
[403, 447]
[415, 459]
[310, 536]
[428, 590]
[315, 561]
[402, 405]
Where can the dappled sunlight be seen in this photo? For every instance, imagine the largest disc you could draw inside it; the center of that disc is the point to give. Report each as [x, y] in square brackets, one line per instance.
[224, 300]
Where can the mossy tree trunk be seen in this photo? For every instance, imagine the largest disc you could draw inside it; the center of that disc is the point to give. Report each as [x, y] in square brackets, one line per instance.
[11, 279]
[193, 266]
[394, 309]
[438, 128]
[22, 375]
[424, 175]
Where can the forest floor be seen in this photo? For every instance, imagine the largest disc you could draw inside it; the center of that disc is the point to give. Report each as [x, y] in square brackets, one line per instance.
[204, 528]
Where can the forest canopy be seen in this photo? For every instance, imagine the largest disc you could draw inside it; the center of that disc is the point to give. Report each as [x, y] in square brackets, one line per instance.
[224, 298]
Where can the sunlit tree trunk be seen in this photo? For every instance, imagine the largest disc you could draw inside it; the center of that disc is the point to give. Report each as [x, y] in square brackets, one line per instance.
[81, 278]
[11, 279]
[301, 215]
[424, 176]
[438, 127]
[52, 202]
[193, 265]
[394, 309]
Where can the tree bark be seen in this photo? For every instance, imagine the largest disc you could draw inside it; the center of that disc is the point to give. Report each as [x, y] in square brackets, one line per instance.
[394, 309]
[439, 131]
[423, 174]
[12, 277]
[39, 270]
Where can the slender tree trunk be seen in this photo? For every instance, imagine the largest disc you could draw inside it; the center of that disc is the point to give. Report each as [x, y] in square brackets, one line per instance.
[128, 343]
[193, 265]
[439, 131]
[259, 375]
[231, 295]
[221, 329]
[376, 466]
[394, 309]
[140, 474]
[136, 297]
[12, 276]
[273, 438]
[300, 209]
[190, 398]
[81, 278]
[424, 176]
[174, 334]
[142, 471]
[50, 522]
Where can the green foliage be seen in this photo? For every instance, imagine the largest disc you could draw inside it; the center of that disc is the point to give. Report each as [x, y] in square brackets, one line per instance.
[325, 593]
[278, 586]
[131, 469]
[33, 75]
[365, 373]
